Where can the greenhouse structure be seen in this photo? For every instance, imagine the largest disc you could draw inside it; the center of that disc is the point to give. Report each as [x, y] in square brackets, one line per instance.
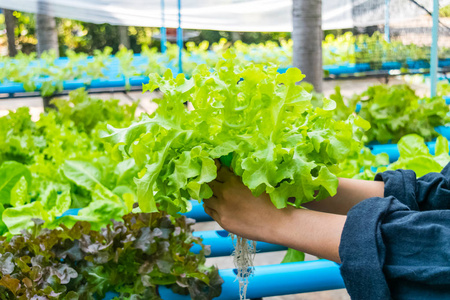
[224, 149]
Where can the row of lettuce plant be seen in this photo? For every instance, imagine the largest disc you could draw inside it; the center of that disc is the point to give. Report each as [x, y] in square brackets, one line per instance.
[373, 49]
[392, 111]
[59, 163]
[414, 155]
[48, 74]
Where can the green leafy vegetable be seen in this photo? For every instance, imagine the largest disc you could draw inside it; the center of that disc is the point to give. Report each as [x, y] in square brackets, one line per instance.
[414, 155]
[293, 256]
[394, 111]
[13, 177]
[363, 165]
[58, 162]
[131, 257]
[280, 144]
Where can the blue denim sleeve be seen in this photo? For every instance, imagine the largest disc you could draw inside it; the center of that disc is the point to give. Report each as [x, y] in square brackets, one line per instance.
[398, 247]
[389, 251]
[429, 192]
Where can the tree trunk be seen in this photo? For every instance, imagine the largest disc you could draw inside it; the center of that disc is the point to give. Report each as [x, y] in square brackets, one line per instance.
[235, 36]
[124, 38]
[47, 105]
[10, 21]
[307, 39]
[46, 34]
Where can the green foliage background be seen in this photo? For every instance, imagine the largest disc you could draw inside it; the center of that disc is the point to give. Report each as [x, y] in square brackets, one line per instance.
[88, 37]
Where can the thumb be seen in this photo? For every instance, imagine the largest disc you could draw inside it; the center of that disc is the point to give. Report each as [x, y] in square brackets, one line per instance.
[224, 174]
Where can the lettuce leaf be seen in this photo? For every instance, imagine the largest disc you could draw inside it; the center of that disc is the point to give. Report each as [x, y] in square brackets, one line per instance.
[11, 173]
[395, 111]
[414, 155]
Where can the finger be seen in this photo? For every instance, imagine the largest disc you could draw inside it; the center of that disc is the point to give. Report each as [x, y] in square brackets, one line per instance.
[212, 202]
[219, 167]
[216, 187]
[224, 174]
[212, 213]
[218, 164]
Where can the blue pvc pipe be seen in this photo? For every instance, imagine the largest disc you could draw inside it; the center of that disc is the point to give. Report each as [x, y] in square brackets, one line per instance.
[444, 131]
[444, 63]
[387, 34]
[197, 212]
[222, 245]
[163, 39]
[431, 147]
[390, 149]
[273, 280]
[163, 29]
[70, 212]
[391, 65]
[180, 40]
[138, 80]
[434, 48]
[277, 280]
[361, 67]
[106, 83]
[11, 88]
[73, 84]
[282, 70]
[110, 295]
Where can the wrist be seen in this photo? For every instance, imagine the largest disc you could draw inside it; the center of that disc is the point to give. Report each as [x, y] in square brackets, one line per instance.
[280, 225]
[308, 231]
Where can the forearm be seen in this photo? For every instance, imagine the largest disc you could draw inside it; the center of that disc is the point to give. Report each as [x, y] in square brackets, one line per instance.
[238, 211]
[349, 193]
[308, 231]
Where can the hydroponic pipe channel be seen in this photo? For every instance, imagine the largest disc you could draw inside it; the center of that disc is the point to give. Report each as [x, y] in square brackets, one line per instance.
[197, 212]
[447, 99]
[392, 149]
[222, 245]
[277, 280]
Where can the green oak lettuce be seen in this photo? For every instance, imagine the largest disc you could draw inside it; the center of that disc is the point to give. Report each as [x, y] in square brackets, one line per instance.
[363, 164]
[59, 162]
[280, 143]
[415, 155]
[395, 111]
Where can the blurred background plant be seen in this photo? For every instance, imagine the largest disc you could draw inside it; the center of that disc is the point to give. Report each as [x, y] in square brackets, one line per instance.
[88, 37]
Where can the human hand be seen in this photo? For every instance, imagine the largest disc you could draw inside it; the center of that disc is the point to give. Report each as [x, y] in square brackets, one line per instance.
[235, 208]
[238, 211]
